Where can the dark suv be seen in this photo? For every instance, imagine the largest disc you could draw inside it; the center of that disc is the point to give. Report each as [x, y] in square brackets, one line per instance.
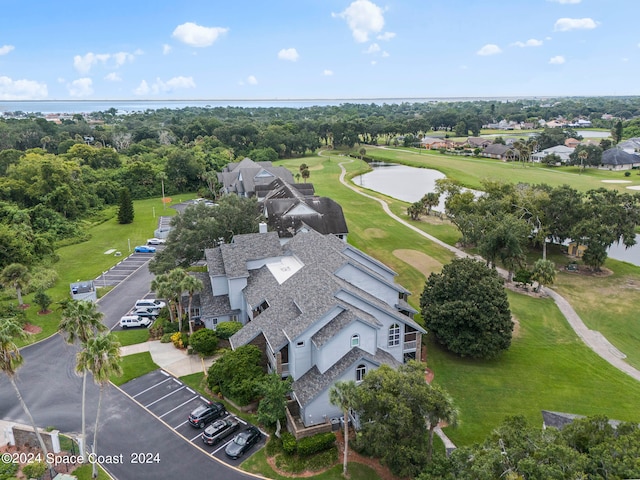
[206, 413]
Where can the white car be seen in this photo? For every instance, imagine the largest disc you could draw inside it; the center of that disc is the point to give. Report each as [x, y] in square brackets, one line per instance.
[155, 241]
[150, 303]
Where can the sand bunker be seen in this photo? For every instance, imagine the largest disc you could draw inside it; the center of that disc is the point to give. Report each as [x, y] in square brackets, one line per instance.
[634, 187]
[615, 181]
[423, 262]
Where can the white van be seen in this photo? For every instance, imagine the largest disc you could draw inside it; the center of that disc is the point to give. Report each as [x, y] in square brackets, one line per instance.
[131, 321]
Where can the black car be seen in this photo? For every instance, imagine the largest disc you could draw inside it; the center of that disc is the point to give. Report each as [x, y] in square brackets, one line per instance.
[206, 413]
[145, 312]
[243, 442]
[219, 429]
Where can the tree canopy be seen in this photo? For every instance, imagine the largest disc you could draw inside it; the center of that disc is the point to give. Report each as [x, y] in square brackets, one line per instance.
[467, 310]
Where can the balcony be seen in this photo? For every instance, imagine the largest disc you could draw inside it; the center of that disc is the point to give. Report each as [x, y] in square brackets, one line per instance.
[410, 345]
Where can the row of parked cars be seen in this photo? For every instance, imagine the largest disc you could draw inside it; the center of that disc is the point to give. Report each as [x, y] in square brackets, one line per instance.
[223, 425]
[143, 313]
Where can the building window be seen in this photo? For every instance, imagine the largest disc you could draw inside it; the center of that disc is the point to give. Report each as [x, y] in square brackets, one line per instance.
[361, 370]
[300, 344]
[355, 340]
[394, 335]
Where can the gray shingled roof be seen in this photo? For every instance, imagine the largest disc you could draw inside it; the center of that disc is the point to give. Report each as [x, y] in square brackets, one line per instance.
[213, 306]
[560, 420]
[250, 246]
[327, 216]
[313, 383]
[339, 322]
[616, 156]
[248, 169]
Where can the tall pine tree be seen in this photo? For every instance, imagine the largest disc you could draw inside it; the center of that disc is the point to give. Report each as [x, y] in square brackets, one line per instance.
[125, 207]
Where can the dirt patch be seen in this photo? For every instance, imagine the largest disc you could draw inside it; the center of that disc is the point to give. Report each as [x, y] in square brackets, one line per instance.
[423, 262]
[375, 233]
[32, 329]
[44, 312]
[516, 327]
[588, 272]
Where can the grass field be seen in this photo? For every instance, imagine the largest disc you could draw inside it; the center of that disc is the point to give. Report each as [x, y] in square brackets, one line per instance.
[131, 337]
[547, 367]
[134, 366]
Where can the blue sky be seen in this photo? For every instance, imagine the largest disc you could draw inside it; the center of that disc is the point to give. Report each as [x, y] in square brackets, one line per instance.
[317, 49]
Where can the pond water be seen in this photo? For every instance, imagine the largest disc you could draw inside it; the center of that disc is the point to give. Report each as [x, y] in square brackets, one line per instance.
[410, 184]
[592, 134]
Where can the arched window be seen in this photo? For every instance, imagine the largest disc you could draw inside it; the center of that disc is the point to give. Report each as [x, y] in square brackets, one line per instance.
[394, 335]
[355, 340]
[361, 370]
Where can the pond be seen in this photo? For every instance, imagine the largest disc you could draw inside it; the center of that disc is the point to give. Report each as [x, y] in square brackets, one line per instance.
[410, 184]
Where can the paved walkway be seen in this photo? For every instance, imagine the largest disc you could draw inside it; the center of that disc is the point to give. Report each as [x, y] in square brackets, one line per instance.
[169, 358]
[593, 339]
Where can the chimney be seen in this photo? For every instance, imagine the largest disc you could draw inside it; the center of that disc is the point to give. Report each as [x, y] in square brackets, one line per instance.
[262, 227]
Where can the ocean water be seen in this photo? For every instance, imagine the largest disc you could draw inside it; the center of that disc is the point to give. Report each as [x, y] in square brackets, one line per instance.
[130, 106]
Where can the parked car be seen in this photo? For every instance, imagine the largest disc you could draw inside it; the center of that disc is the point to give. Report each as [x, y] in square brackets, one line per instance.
[219, 429]
[155, 241]
[205, 413]
[149, 313]
[242, 442]
[132, 321]
[150, 303]
[144, 249]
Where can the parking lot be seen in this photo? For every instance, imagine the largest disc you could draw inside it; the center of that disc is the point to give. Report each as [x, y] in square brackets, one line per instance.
[171, 401]
[122, 270]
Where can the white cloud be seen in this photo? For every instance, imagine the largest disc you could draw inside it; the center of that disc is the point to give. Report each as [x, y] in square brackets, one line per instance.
[84, 63]
[364, 18]
[252, 80]
[557, 60]
[532, 42]
[327, 72]
[22, 89]
[374, 63]
[113, 77]
[373, 48]
[566, 24]
[385, 54]
[160, 86]
[489, 49]
[290, 54]
[197, 35]
[82, 87]
[6, 49]
[386, 36]
[166, 49]
[566, 1]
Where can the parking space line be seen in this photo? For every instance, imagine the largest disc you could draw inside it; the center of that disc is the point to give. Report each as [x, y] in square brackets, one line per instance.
[150, 388]
[241, 421]
[192, 391]
[198, 435]
[179, 425]
[162, 398]
[164, 373]
[181, 405]
[222, 446]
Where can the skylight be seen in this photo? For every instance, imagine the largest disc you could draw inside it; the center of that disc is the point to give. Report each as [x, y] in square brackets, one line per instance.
[282, 268]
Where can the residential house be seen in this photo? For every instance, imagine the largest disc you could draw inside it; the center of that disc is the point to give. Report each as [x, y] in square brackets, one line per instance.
[618, 159]
[571, 142]
[479, 142]
[560, 150]
[242, 178]
[630, 146]
[288, 210]
[320, 310]
[433, 143]
[497, 150]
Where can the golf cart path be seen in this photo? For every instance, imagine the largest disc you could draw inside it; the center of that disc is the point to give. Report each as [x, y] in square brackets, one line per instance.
[593, 339]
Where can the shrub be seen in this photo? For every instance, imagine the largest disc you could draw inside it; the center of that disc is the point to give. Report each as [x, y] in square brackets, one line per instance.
[225, 330]
[204, 342]
[176, 338]
[7, 469]
[238, 373]
[34, 470]
[289, 444]
[627, 174]
[316, 443]
[166, 338]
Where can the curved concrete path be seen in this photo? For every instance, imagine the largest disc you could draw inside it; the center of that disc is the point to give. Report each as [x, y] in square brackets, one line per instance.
[593, 339]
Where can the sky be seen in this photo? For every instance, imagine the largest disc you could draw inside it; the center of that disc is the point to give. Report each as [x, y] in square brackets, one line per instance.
[317, 49]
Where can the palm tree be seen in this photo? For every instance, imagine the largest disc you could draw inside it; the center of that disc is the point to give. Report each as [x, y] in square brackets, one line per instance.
[175, 278]
[544, 272]
[16, 275]
[191, 285]
[582, 155]
[440, 409]
[10, 361]
[162, 287]
[342, 395]
[81, 321]
[101, 356]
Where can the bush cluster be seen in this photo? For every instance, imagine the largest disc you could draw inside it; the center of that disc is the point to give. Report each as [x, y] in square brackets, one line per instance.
[316, 443]
[204, 342]
[225, 330]
[180, 340]
[289, 444]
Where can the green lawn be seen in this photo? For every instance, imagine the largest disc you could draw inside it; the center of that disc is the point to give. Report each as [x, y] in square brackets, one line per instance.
[131, 337]
[134, 366]
[547, 367]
